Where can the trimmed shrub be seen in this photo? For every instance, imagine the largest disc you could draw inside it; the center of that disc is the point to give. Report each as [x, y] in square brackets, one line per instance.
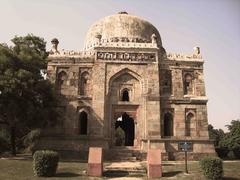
[119, 137]
[212, 167]
[45, 163]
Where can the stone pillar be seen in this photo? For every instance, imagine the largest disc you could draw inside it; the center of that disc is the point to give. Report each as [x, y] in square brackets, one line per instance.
[153, 103]
[95, 162]
[154, 163]
[98, 99]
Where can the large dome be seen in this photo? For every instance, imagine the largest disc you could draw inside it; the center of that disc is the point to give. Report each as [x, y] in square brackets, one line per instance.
[123, 28]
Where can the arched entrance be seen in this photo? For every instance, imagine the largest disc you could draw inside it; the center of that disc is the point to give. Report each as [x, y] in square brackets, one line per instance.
[124, 130]
[125, 100]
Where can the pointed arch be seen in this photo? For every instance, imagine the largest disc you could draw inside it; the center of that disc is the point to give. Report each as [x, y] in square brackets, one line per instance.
[188, 123]
[125, 71]
[83, 122]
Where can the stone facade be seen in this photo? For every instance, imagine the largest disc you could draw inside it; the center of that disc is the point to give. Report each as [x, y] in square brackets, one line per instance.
[125, 78]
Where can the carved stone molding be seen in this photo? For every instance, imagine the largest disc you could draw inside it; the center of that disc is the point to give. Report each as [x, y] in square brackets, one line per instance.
[123, 56]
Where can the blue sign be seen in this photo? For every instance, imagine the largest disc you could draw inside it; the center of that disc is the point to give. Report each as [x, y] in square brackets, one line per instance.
[185, 146]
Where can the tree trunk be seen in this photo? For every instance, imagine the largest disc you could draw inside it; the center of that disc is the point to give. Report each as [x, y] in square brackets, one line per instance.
[13, 140]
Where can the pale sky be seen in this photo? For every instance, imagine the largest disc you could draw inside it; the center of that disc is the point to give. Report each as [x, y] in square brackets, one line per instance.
[213, 25]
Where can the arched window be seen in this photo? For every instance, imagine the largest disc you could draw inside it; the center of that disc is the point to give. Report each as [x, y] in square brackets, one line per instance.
[168, 124]
[84, 84]
[125, 95]
[83, 122]
[166, 80]
[61, 80]
[188, 86]
[188, 121]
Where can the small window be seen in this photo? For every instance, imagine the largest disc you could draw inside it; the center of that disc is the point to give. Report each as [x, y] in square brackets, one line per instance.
[125, 95]
[84, 84]
[83, 122]
[166, 82]
[188, 87]
[61, 80]
[188, 122]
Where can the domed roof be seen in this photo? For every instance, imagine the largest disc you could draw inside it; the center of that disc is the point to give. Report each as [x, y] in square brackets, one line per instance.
[123, 28]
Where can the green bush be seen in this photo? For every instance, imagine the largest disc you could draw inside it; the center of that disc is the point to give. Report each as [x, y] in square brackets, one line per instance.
[119, 137]
[4, 140]
[237, 152]
[45, 163]
[222, 152]
[31, 139]
[231, 155]
[212, 167]
[4, 145]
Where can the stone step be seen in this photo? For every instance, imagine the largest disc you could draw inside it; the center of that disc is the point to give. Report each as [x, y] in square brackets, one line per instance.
[125, 148]
[124, 158]
[123, 154]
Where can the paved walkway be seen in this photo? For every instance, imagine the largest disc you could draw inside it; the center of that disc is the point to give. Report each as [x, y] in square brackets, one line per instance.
[126, 165]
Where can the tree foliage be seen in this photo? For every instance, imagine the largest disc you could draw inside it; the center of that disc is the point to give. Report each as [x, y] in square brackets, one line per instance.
[215, 134]
[26, 99]
[227, 144]
[231, 139]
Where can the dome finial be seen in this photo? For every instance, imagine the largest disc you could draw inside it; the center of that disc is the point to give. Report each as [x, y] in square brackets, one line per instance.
[196, 50]
[55, 43]
[122, 12]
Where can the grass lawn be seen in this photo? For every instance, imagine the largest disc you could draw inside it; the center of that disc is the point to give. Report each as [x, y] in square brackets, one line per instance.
[21, 169]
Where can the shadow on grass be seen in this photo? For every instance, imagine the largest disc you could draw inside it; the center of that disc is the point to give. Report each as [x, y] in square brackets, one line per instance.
[171, 174]
[229, 178]
[115, 173]
[167, 164]
[21, 157]
[67, 174]
[73, 160]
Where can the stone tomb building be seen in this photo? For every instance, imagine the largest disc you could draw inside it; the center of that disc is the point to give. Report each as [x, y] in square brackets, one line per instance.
[125, 80]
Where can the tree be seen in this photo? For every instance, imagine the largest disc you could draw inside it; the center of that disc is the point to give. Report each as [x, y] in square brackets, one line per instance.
[215, 134]
[232, 139]
[26, 99]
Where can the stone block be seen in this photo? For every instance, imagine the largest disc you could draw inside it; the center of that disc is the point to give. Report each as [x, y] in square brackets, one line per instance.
[154, 163]
[95, 161]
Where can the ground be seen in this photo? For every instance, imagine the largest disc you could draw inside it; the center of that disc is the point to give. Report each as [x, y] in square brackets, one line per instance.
[21, 169]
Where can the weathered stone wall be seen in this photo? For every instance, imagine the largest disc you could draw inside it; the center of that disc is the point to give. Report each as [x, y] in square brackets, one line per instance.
[156, 87]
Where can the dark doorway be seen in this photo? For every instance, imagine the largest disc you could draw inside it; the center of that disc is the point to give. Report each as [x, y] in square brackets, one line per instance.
[168, 124]
[126, 123]
[83, 121]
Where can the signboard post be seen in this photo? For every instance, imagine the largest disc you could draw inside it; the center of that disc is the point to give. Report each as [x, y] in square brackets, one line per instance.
[185, 146]
[186, 169]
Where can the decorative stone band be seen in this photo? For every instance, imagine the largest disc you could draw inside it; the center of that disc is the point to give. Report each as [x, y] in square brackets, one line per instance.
[123, 56]
[177, 56]
[123, 44]
[72, 53]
